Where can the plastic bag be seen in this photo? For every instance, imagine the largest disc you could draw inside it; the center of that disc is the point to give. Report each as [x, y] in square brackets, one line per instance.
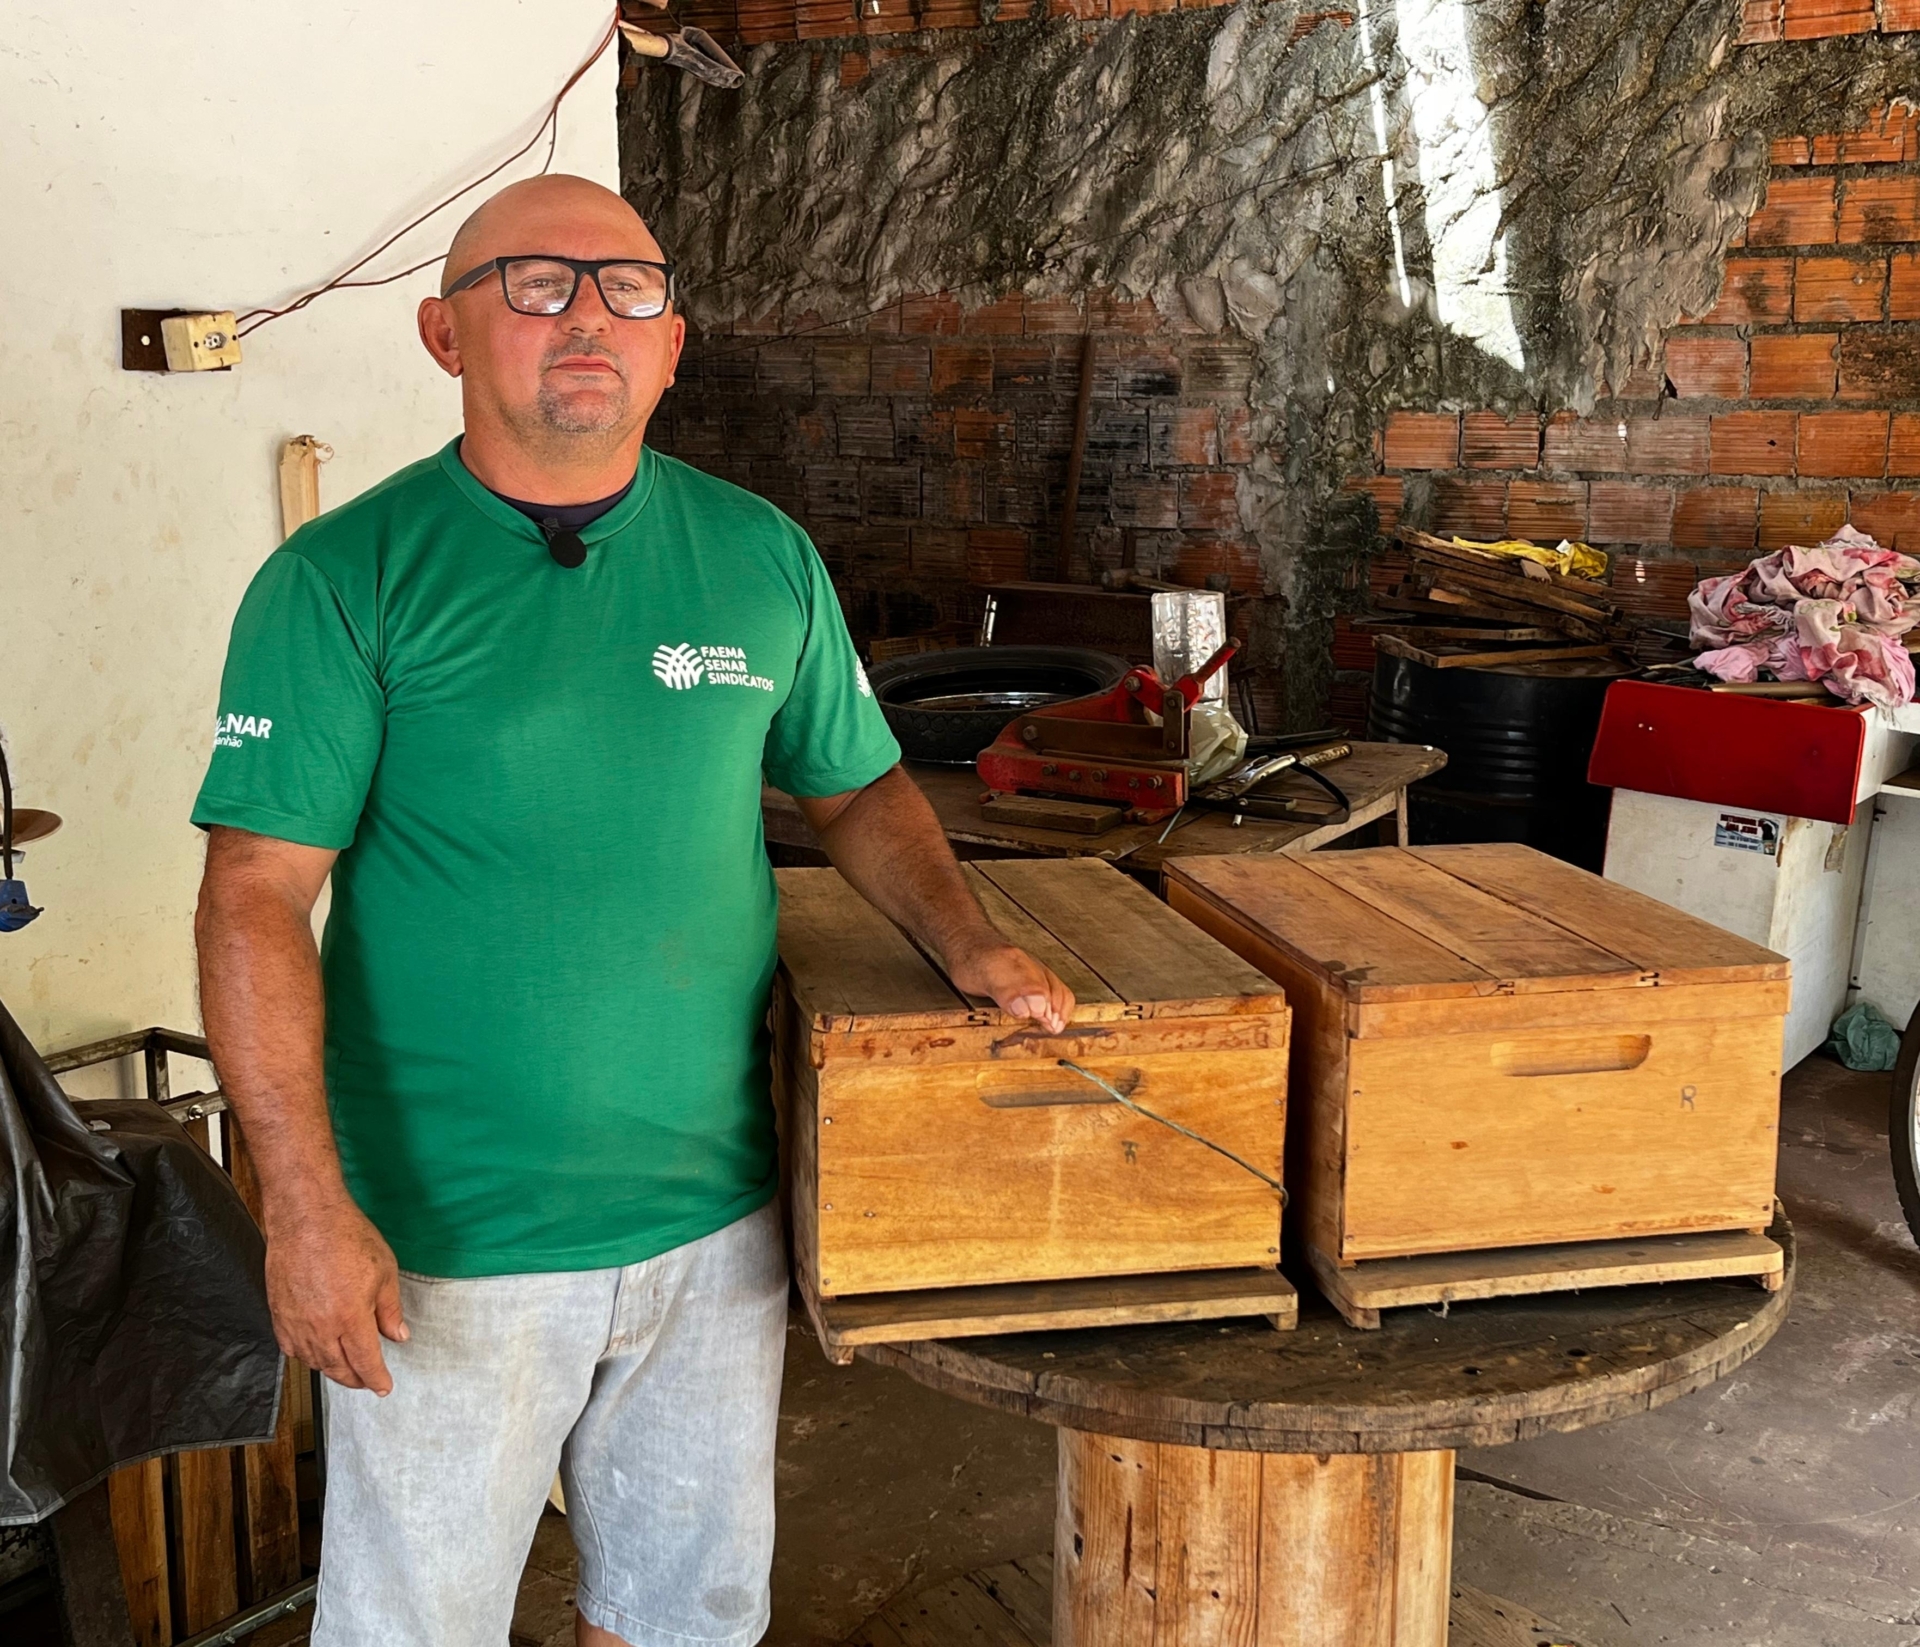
[1861, 1038]
[135, 1319]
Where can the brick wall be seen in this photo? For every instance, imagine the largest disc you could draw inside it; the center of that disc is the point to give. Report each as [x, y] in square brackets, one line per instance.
[927, 450]
[1768, 20]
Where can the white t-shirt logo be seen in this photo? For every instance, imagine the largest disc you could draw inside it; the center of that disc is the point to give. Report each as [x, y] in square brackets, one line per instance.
[678, 666]
[860, 680]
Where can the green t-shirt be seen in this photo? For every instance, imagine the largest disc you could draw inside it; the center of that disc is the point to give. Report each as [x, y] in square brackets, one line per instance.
[552, 931]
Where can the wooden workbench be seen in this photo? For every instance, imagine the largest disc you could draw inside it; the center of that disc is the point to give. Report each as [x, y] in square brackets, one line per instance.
[1221, 1484]
[1375, 778]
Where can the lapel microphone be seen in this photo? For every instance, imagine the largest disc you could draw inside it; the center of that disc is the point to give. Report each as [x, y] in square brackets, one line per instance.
[564, 545]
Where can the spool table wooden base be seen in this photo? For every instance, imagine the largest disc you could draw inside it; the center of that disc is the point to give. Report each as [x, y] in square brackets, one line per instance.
[1225, 1484]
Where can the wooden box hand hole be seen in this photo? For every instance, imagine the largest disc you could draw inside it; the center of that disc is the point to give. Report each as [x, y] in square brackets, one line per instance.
[1587, 1055]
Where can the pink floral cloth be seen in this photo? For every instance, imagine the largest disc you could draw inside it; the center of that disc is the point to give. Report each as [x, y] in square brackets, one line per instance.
[1834, 614]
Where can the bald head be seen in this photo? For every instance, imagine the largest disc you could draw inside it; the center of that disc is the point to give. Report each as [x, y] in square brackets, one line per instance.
[557, 213]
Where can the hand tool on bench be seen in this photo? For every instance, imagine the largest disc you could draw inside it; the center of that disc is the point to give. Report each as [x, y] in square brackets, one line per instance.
[1239, 791]
[1129, 744]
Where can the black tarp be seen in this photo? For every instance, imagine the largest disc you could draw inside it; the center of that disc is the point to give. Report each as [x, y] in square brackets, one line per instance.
[134, 1319]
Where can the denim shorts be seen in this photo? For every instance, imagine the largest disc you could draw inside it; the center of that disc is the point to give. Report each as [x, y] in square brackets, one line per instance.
[654, 1388]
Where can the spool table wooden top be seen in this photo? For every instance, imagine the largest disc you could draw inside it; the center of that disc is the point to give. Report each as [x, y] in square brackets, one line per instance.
[1489, 1372]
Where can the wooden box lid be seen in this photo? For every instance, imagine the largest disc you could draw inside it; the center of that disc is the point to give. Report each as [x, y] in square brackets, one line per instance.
[1439, 922]
[1121, 951]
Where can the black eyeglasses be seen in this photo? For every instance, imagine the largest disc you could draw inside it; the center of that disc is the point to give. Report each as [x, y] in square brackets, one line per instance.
[632, 288]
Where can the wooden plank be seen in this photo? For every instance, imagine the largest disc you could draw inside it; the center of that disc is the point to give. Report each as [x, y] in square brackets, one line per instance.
[1327, 1519]
[91, 1600]
[1046, 1306]
[1572, 1009]
[1493, 934]
[1317, 1071]
[209, 1577]
[1058, 1187]
[1556, 1136]
[847, 960]
[1512, 1272]
[1531, 654]
[1477, 1619]
[1147, 954]
[1107, 1542]
[1018, 927]
[1046, 812]
[269, 1485]
[1423, 1548]
[1654, 936]
[1417, 633]
[1327, 929]
[1208, 1593]
[1024, 1588]
[136, 1497]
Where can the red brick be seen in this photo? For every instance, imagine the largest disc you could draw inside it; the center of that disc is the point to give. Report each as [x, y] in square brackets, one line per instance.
[1109, 313]
[961, 366]
[1423, 440]
[1899, 16]
[1711, 367]
[1236, 435]
[1798, 211]
[1667, 445]
[1790, 151]
[1805, 518]
[1121, 8]
[996, 554]
[901, 369]
[1547, 511]
[1794, 365]
[1619, 512]
[1753, 443]
[982, 433]
[1208, 503]
[1644, 381]
[938, 313]
[1006, 318]
[853, 69]
[1388, 493]
[1839, 288]
[1145, 500]
[886, 16]
[842, 366]
[958, 492]
[939, 551]
[1083, 9]
[1852, 445]
[920, 432]
[1200, 558]
[1903, 290]
[1472, 508]
[1877, 209]
[1053, 314]
[1903, 445]
[1890, 136]
[1816, 19]
[1891, 519]
[1716, 517]
[1880, 366]
[1759, 22]
[1492, 441]
[1586, 443]
[946, 14]
[1023, 365]
[1755, 290]
[1184, 435]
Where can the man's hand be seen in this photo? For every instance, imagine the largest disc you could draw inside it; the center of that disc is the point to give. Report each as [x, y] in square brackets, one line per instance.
[1014, 979]
[334, 1289]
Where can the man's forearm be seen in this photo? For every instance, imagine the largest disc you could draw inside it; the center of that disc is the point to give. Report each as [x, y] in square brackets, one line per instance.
[262, 1004]
[890, 847]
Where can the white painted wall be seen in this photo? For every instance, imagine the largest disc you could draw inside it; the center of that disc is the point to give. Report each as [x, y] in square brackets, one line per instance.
[225, 154]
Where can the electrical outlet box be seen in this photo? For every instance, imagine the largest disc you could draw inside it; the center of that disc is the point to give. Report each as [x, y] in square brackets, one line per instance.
[178, 340]
[200, 343]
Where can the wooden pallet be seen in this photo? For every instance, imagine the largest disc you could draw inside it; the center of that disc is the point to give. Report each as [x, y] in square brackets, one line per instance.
[843, 1324]
[1011, 1605]
[1361, 1291]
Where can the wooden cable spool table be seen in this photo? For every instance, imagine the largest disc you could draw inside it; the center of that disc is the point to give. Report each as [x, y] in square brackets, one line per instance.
[1223, 1483]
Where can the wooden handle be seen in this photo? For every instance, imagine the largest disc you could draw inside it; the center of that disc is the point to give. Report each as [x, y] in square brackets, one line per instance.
[1591, 1055]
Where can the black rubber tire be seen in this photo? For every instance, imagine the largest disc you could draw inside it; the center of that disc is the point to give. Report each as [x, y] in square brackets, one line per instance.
[1902, 1121]
[954, 737]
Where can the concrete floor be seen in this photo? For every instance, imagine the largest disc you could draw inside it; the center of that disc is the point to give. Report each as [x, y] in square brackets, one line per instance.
[1778, 1509]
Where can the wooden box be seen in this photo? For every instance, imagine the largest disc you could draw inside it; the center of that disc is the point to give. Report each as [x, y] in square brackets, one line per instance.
[1495, 1050]
[948, 1175]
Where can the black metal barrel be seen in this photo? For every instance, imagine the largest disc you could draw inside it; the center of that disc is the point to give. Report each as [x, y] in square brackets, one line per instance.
[1517, 742]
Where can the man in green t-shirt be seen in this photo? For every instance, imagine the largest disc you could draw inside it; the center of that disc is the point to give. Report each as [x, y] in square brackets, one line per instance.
[512, 1115]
